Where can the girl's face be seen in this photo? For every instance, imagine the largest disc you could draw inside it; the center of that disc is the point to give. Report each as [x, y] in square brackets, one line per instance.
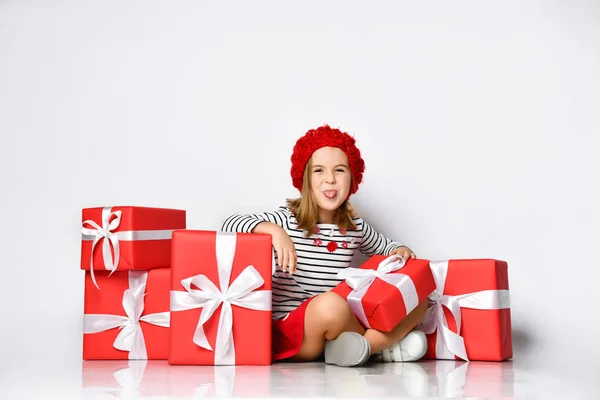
[330, 178]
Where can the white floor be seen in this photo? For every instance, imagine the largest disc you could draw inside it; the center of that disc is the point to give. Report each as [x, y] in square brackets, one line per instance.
[158, 380]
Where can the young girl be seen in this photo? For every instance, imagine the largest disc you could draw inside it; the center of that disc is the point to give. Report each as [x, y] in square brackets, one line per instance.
[314, 237]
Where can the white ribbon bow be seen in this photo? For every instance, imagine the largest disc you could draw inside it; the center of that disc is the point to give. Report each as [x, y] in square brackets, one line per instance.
[360, 280]
[112, 238]
[131, 337]
[241, 293]
[448, 343]
[104, 231]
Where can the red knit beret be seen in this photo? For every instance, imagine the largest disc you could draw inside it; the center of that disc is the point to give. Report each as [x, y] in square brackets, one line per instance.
[325, 136]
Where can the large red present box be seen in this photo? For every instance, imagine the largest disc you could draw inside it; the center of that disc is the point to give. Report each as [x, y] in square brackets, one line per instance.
[220, 298]
[122, 378]
[128, 238]
[129, 317]
[469, 313]
[385, 289]
[220, 381]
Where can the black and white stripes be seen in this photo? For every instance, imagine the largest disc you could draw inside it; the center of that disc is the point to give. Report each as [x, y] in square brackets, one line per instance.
[317, 264]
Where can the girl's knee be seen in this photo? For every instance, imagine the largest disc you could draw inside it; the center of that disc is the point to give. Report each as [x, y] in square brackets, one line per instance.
[331, 309]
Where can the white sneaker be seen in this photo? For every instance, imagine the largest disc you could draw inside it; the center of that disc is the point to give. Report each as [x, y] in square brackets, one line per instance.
[411, 348]
[350, 349]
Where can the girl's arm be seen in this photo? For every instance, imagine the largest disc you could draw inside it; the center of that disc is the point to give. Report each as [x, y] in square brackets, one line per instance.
[272, 223]
[249, 223]
[374, 242]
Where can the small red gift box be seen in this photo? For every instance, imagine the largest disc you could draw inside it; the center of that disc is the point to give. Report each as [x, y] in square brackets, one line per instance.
[128, 238]
[469, 313]
[129, 317]
[122, 378]
[385, 289]
[220, 298]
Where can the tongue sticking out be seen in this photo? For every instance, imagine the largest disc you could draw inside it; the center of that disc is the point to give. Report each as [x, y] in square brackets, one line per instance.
[330, 194]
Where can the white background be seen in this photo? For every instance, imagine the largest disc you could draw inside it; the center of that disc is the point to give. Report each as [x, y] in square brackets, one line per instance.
[478, 124]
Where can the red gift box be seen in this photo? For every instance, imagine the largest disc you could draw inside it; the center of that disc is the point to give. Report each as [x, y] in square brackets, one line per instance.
[121, 378]
[220, 298]
[129, 317]
[220, 381]
[128, 238]
[469, 313]
[382, 297]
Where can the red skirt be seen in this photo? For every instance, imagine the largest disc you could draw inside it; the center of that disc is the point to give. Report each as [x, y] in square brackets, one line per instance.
[288, 333]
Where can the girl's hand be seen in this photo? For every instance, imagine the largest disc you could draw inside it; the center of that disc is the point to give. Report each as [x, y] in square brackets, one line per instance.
[286, 252]
[404, 252]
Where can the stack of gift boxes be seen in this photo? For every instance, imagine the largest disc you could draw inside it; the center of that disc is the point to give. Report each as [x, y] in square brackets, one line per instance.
[156, 290]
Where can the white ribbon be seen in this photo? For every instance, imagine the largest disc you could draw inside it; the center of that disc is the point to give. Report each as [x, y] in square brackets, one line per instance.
[448, 343]
[112, 238]
[241, 293]
[360, 280]
[131, 337]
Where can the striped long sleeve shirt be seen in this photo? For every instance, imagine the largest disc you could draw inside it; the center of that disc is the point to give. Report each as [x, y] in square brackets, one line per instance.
[320, 256]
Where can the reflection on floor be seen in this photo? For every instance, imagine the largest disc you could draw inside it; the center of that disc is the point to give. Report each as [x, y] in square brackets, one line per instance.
[432, 379]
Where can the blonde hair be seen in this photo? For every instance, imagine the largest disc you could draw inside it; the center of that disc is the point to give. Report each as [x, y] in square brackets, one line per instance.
[306, 210]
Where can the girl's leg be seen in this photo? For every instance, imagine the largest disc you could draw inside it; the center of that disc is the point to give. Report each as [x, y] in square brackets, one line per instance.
[327, 315]
[382, 340]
